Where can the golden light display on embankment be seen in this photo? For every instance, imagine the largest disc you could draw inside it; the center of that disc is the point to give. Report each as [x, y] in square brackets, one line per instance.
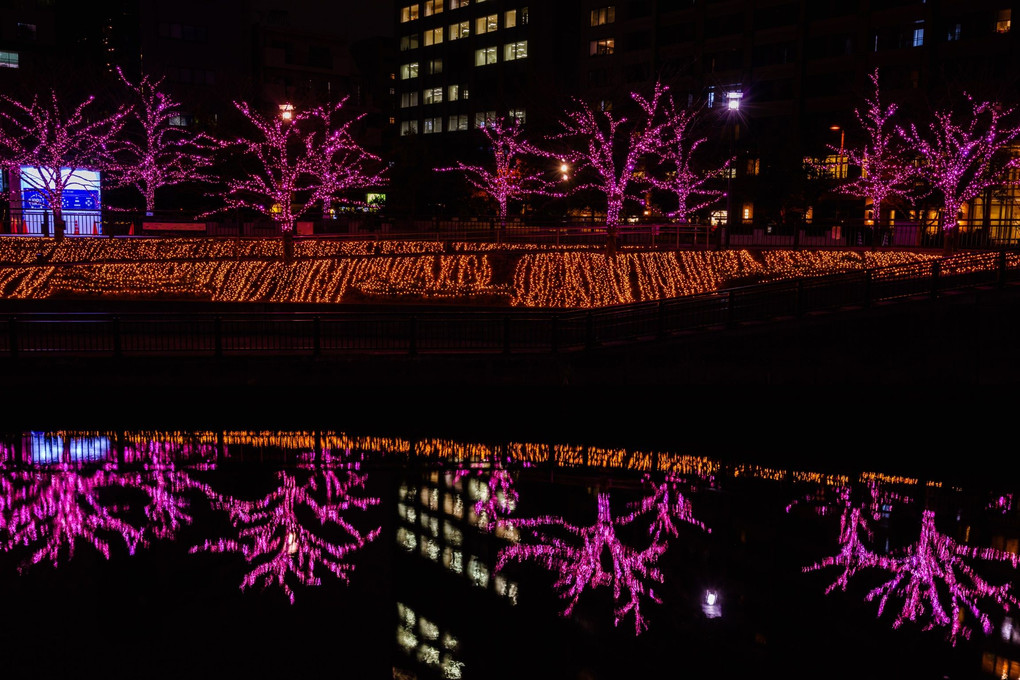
[334, 271]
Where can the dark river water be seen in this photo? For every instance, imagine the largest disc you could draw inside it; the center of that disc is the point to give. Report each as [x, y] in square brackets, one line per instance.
[323, 553]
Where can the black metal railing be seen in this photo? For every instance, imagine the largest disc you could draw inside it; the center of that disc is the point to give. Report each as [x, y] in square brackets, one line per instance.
[425, 331]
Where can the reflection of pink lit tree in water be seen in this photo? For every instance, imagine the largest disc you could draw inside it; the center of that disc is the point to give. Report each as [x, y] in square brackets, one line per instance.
[667, 504]
[932, 576]
[592, 557]
[499, 498]
[934, 570]
[277, 545]
[166, 486]
[46, 511]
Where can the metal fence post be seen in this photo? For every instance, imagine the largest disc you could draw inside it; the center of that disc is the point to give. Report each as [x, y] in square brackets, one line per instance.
[116, 336]
[218, 331]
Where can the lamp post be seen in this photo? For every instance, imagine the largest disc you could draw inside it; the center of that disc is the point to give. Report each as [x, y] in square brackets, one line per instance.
[732, 108]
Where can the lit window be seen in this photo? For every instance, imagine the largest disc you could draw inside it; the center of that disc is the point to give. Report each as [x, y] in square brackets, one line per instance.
[516, 50]
[459, 30]
[487, 24]
[433, 36]
[409, 127]
[601, 47]
[519, 114]
[409, 70]
[408, 99]
[182, 120]
[482, 117]
[457, 4]
[458, 122]
[1002, 20]
[486, 55]
[918, 39]
[8, 59]
[463, 93]
[603, 15]
[433, 7]
[510, 18]
[453, 93]
[409, 42]
[954, 33]
[522, 16]
[432, 125]
[434, 95]
[409, 13]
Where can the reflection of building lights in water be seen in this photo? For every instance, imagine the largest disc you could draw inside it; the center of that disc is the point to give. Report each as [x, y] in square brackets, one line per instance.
[710, 605]
[291, 542]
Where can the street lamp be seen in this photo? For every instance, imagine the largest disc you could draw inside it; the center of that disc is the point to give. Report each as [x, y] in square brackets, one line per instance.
[839, 159]
[732, 108]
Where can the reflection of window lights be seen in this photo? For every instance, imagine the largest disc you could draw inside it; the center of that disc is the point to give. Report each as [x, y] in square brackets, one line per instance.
[433, 36]
[1003, 20]
[478, 572]
[487, 24]
[453, 560]
[432, 125]
[433, 7]
[603, 15]
[408, 71]
[486, 55]
[515, 50]
[429, 496]
[409, 13]
[430, 549]
[453, 504]
[452, 534]
[459, 30]
[598, 48]
[406, 539]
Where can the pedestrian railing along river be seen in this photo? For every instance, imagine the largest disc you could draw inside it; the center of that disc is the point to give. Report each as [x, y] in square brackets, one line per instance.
[510, 330]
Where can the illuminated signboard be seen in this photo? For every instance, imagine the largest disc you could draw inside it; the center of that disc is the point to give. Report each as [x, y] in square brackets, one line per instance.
[81, 201]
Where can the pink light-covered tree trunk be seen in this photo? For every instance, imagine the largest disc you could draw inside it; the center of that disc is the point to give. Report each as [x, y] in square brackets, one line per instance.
[885, 173]
[611, 149]
[160, 153]
[508, 179]
[43, 135]
[963, 159]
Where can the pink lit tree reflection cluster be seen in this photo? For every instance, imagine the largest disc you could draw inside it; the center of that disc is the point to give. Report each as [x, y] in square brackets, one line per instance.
[278, 546]
[499, 498]
[596, 556]
[932, 577]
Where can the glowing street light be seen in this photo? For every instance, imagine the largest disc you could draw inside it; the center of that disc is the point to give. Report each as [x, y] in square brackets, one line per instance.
[287, 111]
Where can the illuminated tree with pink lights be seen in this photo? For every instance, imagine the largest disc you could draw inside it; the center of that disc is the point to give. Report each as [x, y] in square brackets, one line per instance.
[667, 504]
[58, 142]
[854, 554]
[48, 511]
[168, 487]
[885, 173]
[161, 152]
[962, 159]
[678, 148]
[592, 557]
[509, 178]
[611, 147]
[277, 545]
[310, 158]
